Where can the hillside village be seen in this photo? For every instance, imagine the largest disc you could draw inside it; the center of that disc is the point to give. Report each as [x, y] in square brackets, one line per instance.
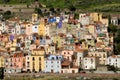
[57, 44]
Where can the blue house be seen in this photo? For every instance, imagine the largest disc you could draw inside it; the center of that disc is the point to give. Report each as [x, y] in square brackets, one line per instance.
[53, 64]
[43, 41]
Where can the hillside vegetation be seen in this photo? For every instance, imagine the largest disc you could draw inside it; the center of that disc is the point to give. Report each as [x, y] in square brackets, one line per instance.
[96, 5]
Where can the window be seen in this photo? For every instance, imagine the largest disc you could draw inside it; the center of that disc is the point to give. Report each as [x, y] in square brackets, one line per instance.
[109, 60]
[33, 58]
[51, 61]
[39, 58]
[95, 55]
[64, 52]
[15, 60]
[52, 58]
[91, 61]
[68, 53]
[103, 55]
[28, 58]
[68, 57]
[80, 58]
[28, 63]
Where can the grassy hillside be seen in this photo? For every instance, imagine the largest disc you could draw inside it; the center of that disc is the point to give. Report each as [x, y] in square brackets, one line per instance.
[99, 5]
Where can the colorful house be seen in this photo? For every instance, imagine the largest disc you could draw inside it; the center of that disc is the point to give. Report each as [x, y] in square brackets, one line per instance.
[96, 16]
[57, 40]
[2, 61]
[18, 29]
[53, 64]
[89, 63]
[34, 17]
[67, 54]
[47, 32]
[114, 60]
[102, 56]
[84, 19]
[66, 67]
[35, 28]
[41, 29]
[29, 29]
[79, 55]
[37, 60]
[16, 63]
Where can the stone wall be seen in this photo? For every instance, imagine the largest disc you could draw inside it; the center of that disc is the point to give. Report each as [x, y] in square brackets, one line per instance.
[16, 8]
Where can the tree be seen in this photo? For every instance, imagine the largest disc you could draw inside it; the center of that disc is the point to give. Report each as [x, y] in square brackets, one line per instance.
[7, 14]
[117, 49]
[76, 15]
[38, 11]
[112, 28]
[52, 10]
[6, 1]
[1, 73]
[72, 8]
[112, 68]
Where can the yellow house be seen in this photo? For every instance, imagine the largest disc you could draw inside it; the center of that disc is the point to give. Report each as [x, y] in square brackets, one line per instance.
[37, 60]
[1, 61]
[41, 29]
[91, 29]
[57, 40]
[96, 16]
[34, 17]
[102, 56]
[13, 45]
[105, 21]
[84, 45]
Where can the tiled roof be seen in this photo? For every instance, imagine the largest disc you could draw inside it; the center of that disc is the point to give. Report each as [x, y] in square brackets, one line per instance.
[65, 63]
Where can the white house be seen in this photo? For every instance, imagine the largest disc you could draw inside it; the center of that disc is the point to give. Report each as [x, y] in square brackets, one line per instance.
[79, 58]
[114, 60]
[57, 19]
[47, 30]
[18, 29]
[84, 19]
[53, 64]
[114, 20]
[66, 18]
[89, 63]
[35, 28]
[27, 63]
[3, 27]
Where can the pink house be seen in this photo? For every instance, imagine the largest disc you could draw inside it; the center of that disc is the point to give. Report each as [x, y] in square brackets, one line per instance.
[8, 45]
[18, 61]
[33, 46]
[67, 54]
[29, 29]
